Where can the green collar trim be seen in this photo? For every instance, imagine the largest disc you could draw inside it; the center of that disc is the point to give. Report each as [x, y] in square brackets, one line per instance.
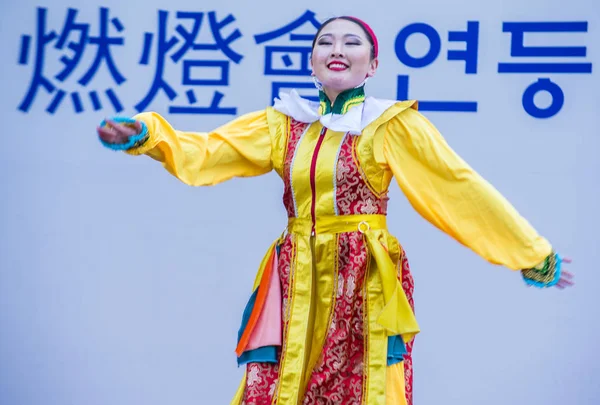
[343, 102]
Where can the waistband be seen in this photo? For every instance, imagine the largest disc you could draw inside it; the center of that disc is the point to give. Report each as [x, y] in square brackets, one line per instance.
[337, 224]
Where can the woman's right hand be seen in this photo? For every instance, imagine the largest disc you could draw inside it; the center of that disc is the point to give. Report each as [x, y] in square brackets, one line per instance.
[117, 133]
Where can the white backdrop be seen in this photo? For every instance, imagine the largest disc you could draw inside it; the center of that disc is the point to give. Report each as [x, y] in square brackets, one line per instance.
[120, 285]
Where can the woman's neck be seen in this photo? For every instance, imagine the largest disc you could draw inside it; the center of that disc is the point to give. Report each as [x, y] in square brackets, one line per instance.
[332, 95]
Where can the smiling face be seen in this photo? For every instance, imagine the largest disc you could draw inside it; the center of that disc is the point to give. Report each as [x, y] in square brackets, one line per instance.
[342, 57]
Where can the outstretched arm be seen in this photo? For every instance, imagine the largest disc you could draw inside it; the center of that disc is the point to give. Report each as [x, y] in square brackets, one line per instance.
[240, 148]
[447, 192]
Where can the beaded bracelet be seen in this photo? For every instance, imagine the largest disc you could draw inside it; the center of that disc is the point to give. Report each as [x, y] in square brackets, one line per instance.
[133, 141]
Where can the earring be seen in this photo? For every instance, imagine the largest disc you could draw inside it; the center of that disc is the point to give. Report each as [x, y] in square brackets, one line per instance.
[317, 83]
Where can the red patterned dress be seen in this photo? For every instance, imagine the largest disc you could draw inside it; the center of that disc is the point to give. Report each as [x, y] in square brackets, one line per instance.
[336, 359]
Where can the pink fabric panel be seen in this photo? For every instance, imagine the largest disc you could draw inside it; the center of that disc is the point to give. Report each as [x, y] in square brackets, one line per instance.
[267, 331]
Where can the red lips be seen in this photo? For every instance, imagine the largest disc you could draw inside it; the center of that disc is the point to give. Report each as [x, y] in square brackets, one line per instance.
[337, 66]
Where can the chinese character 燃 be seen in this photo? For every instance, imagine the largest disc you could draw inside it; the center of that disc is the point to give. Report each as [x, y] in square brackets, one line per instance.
[71, 44]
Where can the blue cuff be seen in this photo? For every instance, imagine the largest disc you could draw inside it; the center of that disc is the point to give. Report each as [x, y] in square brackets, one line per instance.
[133, 140]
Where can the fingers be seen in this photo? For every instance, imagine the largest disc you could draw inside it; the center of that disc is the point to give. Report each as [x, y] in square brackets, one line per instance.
[565, 277]
[566, 282]
[124, 130]
[109, 135]
[138, 127]
[117, 133]
[563, 283]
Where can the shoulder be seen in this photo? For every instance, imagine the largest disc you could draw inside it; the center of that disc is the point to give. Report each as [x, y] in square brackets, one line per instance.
[380, 111]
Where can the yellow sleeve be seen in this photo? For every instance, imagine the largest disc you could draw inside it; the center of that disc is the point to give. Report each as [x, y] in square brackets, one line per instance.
[454, 198]
[240, 148]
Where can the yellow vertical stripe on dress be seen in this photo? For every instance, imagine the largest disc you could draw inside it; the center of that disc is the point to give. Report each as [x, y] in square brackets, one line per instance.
[300, 178]
[293, 364]
[325, 255]
[286, 313]
[376, 342]
[325, 273]
[326, 171]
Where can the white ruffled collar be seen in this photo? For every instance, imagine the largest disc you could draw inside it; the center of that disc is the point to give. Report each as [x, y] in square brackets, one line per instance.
[354, 121]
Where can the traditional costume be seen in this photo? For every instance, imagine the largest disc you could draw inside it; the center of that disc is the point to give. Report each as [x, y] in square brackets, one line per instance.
[330, 316]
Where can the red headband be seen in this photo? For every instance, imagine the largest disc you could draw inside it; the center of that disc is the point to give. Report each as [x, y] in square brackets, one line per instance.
[369, 30]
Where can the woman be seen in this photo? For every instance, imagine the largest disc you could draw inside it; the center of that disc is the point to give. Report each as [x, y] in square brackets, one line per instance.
[330, 320]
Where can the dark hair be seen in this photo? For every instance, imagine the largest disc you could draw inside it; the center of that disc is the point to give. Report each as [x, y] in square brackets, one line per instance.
[369, 37]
